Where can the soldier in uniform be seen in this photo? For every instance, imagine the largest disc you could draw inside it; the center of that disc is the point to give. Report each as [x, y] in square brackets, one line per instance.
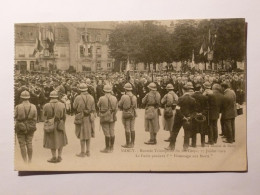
[84, 103]
[186, 104]
[57, 139]
[169, 100]
[25, 112]
[152, 103]
[105, 103]
[128, 104]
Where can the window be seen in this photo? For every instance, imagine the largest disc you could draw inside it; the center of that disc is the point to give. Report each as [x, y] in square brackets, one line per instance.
[107, 37]
[98, 65]
[81, 51]
[98, 51]
[108, 65]
[98, 38]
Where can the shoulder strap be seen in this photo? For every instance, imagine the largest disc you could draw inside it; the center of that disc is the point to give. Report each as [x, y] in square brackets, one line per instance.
[27, 114]
[85, 102]
[109, 103]
[131, 101]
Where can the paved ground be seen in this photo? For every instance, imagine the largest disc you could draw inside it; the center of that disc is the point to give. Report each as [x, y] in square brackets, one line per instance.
[221, 156]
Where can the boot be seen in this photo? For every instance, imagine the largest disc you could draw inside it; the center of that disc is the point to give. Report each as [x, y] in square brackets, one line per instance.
[155, 141]
[112, 141]
[132, 144]
[29, 152]
[170, 147]
[127, 137]
[24, 154]
[106, 150]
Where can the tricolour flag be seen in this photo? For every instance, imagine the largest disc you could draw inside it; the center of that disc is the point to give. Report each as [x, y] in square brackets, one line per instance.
[38, 46]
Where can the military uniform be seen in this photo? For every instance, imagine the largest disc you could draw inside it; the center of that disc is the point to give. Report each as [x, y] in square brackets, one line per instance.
[128, 102]
[23, 112]
[152, 103]
[105, 103]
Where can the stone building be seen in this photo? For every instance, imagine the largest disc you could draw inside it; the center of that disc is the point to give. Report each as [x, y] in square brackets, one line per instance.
[50, 46]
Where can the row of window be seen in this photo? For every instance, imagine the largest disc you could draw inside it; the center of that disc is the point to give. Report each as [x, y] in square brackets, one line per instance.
[92, 38]
[30, 33]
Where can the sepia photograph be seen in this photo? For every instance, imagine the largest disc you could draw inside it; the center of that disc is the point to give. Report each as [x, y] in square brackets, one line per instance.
[131, 96]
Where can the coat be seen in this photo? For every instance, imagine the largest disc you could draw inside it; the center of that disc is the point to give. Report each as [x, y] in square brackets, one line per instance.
[229, 104]
[187, 104]
[85, 130]
[215, 101]
[30, 109]
[56, 139]
[125, 102]
[152, 98]
[169, 99]
[103, 104]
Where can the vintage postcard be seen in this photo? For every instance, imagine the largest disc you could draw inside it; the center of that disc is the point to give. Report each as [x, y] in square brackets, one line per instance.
[160, 96]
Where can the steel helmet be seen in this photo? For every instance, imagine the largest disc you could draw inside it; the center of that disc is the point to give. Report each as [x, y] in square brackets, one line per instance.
[169, 86]
[25, 95]
[188, 85]
[152, 86]
[54, 94]
[83, 87]
[128, 86]
[107, 88]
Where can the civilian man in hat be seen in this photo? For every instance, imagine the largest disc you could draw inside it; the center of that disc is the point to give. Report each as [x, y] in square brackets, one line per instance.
[84, 104]
[24, 113]
[57, 139]
[215, 102]
[128, 104]
[199, 122]
[169, 101]
[229, 113]
[152, 103]
[186, 110]
[108, 105]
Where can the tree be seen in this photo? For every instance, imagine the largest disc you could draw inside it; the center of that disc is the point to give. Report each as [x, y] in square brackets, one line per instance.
[185, 39]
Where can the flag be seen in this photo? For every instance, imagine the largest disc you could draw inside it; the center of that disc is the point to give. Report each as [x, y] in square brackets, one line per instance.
[38, 46]
[50, 40]
[127, 65]
[203, 49]
[192, 58]
[127, 69]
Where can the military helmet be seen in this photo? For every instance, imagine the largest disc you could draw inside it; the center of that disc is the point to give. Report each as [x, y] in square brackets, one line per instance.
[88, 81]
[107, 88]
[128, 86]
[83, 87]
[25, 95]
[169, 86]
[188, 85]
[207, 85]
[54, 94]
[152, 86]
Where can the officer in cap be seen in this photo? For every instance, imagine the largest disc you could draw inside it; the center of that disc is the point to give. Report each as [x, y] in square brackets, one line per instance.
[128, 104]
[26, 117]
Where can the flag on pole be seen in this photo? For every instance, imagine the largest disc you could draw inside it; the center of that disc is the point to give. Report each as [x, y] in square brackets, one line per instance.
[127, 65]
[203, 49]
[50, 40]
[127, 69]
[38, 47]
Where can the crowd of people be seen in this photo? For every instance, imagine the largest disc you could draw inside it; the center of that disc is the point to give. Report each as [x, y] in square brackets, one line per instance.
[192, 101]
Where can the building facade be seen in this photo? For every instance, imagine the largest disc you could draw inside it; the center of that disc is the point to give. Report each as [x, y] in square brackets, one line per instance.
[51, 46]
